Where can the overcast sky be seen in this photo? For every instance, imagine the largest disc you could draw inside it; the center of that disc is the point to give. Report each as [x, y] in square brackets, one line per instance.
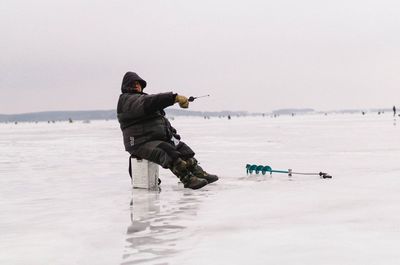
[249, 55]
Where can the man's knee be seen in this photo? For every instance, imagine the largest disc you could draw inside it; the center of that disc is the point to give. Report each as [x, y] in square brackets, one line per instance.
[160, 157]
[164, 154]
[185, 151]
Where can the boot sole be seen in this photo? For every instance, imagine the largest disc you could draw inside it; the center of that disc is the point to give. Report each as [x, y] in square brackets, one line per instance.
[196, 187]
[210, 181]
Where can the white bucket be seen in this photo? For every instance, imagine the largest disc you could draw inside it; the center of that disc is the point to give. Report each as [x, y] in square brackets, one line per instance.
[144, 174]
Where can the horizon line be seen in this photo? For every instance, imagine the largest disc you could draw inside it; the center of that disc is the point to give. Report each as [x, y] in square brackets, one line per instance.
[207, 111]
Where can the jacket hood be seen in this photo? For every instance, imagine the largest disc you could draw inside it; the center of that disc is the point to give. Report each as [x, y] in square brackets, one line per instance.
[128, 82]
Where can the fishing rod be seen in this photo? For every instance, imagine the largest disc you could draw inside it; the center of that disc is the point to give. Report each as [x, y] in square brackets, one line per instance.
[264, 169]
[191, 98]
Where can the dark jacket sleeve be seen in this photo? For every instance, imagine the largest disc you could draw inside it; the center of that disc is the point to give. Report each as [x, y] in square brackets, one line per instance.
[134, 106]
[153, 103]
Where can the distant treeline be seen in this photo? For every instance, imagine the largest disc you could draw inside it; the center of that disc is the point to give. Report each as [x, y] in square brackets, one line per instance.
[100, 115]
[60, 116]
[111, 114]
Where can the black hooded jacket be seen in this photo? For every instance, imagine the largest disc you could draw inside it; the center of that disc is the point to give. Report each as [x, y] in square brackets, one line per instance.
[141, 116]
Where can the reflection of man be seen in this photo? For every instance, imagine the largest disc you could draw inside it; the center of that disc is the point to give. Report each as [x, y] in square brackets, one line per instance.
[149, 135]
[394, 110]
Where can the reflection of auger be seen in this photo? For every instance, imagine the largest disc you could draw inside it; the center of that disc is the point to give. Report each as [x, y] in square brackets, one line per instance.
[264, 169]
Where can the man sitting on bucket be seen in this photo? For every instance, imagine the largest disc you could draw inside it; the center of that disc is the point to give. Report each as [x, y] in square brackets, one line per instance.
[149, 135]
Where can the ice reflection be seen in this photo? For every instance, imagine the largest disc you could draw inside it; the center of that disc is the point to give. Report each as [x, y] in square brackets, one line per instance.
[158, 225]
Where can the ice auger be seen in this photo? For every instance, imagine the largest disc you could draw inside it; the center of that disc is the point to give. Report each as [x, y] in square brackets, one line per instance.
[264, 169]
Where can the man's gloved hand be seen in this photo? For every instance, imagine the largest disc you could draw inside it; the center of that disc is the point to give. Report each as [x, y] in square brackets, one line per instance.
[183, 101]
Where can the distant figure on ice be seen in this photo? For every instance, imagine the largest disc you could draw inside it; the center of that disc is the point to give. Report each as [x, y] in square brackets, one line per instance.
[394, 111]
[149, 135]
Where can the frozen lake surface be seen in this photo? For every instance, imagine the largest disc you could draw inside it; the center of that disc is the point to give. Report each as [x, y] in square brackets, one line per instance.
[65, 195]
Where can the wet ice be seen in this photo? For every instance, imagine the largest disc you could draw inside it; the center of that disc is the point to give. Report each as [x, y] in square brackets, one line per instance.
[66, 196]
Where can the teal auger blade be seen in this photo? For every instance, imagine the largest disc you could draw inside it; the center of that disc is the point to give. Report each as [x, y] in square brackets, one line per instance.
[266, 169]
[263, 169]
[248, 168]
[251, 168]
[259, 169]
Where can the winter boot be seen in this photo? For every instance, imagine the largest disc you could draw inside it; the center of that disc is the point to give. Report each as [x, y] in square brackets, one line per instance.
[193, 167]
[190, 181]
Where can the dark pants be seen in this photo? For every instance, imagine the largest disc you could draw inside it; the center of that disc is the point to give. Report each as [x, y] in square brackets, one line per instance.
[163, 153]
